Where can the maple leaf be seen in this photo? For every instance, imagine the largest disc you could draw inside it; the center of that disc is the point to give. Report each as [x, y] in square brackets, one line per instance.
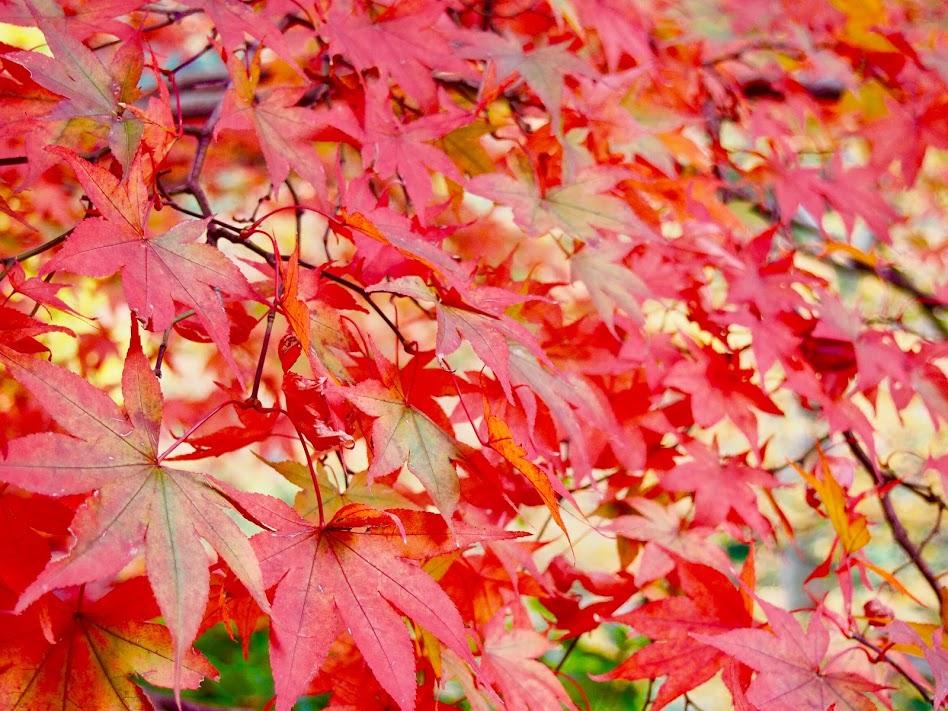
[74, 72]
[511, 662]
[933, 650]
[138, 503]
[348, 678]
[294, 308]
[234, 19]
[905, 134]
[579, 208]
[372, 227]
[711, 605]
[853, 193]
[285, 131]
[353, 574]
[539, 249]
[464, 146]
[797, 187]
[851, 527]
[87, 653]
[502, 442]
[358, 490]
[666, 534]
[157, 270]
[609, 282]
[89, 88]
[31, 527]
[404, 435]
[478, 317]
[720, 488]
[567, 399]
[25, 102]
[255, 425]
[18, 331]
[39, 290]
[401, 43]
[308, 408]
[723, 390]
[622, 29]
[81, 18]
[395, 148]
[543, 68]
[791, 665]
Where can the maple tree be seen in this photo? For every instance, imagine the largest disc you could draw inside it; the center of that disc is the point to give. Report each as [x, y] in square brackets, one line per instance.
[422, 354]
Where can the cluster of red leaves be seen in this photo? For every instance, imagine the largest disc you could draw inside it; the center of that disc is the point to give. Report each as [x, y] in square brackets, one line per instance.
[503, 257]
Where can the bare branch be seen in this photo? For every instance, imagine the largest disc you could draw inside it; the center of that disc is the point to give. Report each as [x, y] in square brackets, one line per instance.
[895, 524]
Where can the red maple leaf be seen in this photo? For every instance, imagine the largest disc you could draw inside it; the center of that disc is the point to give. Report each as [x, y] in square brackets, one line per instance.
[720, 488]
[87, 651]
[793, 671]
[711, 604]
[138, 504]
[665, 534]
[157, 270]
[511, 661]
[353, 574]
[402, 43]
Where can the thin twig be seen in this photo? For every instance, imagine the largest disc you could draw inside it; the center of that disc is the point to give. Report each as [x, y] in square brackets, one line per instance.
[164, 339]
[648, 694]
[190, 60]
[193, 428]
[410, 346]
[258, 375]
[569, 650]
[890, 274]
[881, 654]
[173, 17]
[8, 262]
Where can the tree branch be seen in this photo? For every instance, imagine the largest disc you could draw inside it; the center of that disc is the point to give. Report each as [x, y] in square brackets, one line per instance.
[889, 274]
[881, 654]
[895, 524]
[8, 262]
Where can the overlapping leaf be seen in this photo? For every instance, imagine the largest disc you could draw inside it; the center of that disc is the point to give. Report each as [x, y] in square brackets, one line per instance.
[404, 435]
[354, 574]
[157, 270]
[793, 671]
[711, 604]
[84, 653]
[138, 505]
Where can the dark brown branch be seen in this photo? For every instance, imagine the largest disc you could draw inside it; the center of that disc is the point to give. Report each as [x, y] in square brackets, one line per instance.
[410, 346]
[899, 280]
[487, 15]
[190, 60]
[204, 137]
[258, 375]
[889, 274]
[164, 339]
[170, 202]
[173, 17]
[776, 47]
[8, 262]
[882, 656]
[298, 212]
[193, 184]
[569, 650]
[895, 524]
